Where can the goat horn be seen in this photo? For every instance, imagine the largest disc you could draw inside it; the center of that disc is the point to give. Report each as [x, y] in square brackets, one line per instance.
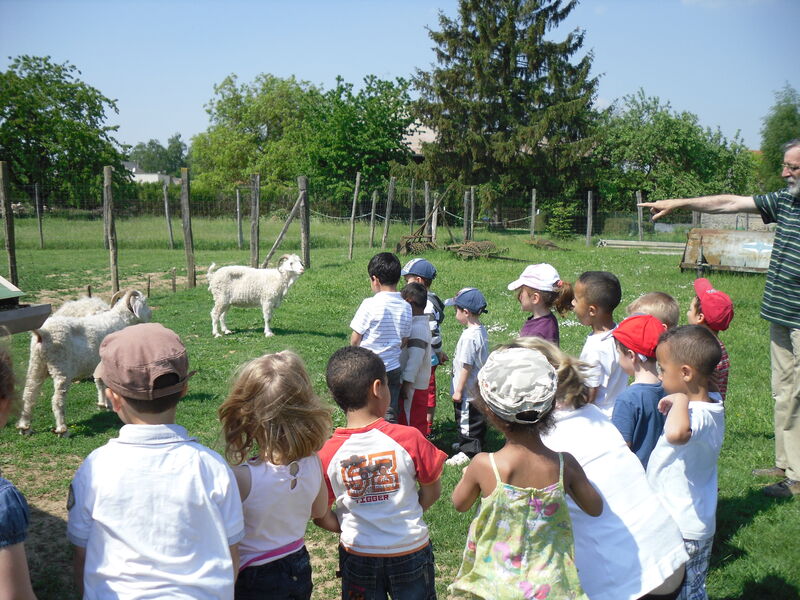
[117, 295]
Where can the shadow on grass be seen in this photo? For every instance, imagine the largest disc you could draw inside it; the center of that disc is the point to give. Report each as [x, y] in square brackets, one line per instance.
[772, 587]
[49, 556]
[278, 331]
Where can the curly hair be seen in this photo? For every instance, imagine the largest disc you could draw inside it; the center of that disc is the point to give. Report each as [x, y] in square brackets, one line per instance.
[272, 410]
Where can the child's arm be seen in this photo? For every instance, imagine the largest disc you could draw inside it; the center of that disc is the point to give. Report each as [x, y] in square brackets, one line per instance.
[235, 560]
[579, 488]
[78, 564]
[429, 493]
[468, 489]
[355, 338]
[461, 382]
[328, 521]
[677, 427]
[320, 505]
[243, 482]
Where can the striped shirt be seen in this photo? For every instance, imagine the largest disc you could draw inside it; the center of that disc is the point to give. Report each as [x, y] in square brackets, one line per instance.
[781, 303]
[383, 320]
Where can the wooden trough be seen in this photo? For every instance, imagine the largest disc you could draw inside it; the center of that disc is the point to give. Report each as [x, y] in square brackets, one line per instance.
[669, 248]
[728, 250]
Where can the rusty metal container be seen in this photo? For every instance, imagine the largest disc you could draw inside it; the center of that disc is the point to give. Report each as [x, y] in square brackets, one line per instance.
[727, 250]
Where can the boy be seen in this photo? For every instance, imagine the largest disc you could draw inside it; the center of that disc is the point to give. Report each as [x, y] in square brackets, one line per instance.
[683, 465]
[420, 270]
[415, 360]
[597, 294]
[659, 304]
[153, 513]
[713, 310]
[383, 322]
[372, 469]
[471, 353]
[636, 412]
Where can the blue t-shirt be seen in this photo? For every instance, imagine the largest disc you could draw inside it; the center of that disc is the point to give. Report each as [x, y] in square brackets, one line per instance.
[637, 418]
[13, 515]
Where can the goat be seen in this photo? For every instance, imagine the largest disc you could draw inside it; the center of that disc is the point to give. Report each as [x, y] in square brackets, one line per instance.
[68, 348]
[246, 286]
[84, 306]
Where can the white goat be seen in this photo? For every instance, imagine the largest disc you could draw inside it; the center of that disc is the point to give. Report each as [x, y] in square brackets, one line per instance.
[246, 286]
[68, 348]
[84, 306]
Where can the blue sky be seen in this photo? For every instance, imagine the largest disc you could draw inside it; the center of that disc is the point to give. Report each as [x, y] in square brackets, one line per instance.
[720, 59]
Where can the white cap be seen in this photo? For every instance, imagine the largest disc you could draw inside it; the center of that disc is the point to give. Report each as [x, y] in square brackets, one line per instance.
[541, 277]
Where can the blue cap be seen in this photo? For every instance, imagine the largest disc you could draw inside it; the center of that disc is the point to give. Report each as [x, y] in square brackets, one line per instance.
[419, 267]
[469, 298]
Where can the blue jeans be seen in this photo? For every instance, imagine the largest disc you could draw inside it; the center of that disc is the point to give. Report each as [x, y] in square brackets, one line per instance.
[286, 578]
[407, 577]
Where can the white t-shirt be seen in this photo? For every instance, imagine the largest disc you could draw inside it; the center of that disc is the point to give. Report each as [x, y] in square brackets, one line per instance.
[685, 476]
[472, 349]
[415, 358]
[634, 545]
[275, 513]
[383, 320]
[600, 352]
[156, 512]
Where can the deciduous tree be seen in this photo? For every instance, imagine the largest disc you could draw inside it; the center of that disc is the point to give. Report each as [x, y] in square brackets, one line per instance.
[152, 157]
[781, 124]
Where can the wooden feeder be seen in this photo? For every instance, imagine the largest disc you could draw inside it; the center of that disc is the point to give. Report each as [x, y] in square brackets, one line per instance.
[16, 317]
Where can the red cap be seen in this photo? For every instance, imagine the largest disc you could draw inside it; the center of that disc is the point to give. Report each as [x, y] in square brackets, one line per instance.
[640, 333]
[716, 306]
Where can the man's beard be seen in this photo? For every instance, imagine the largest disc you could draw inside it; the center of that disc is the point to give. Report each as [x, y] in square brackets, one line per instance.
[794, 186]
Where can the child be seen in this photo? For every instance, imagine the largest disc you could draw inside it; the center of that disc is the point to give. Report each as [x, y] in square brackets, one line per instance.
[597, 294]
[272, 410]
[539, 289]
[383, 322]
[415, 360]
[521, 538]
[636, 412]
[372, 469]
[471, 352]
[659, 304]
[153, 508]
[420, 270]
[683, 465]
[713, 310]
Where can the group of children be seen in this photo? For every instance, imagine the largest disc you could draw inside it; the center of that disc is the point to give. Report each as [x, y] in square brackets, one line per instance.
[153, 513]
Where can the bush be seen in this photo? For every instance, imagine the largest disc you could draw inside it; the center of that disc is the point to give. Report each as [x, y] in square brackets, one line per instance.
[559, 225]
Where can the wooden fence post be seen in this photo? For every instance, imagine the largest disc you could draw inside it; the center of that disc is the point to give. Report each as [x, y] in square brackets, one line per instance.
[465, 234]
[173, 277]
[305, 221]
[38, 201]
[427, 209]
[279, 239]
[8, 222]
[372, 218]
[589, 218]
[239, 236]
[353, 217]
[188, 240]
[168, 216]
[435, 217]
[255, 192]
[387, 220]
[639, 214]
[472, 212]
[111, 229]
[411, 205]
[533, 214]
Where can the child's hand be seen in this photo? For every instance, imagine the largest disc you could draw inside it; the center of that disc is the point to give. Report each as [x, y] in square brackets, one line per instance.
[665, 404]
[457, 397]
[443, 358]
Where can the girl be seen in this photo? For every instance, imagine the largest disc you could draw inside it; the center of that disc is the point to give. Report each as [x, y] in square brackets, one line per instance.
[272, 410]
[539, 290]
[519, 544]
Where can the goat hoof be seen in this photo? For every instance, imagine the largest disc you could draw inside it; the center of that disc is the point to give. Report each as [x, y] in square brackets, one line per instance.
[268, 334]
[61, 434]
[25, 430]
[217, 335]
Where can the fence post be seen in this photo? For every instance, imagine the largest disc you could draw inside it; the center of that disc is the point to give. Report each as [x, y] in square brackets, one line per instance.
[353, 217]
[533, 214]
[168, 216]
[589, 218]
[411, 205]
[435, 217]
[696, 219]
[305, 221]
[38, 213]
[111, 230]
[8, 222]
[387, 219]
[297, 205]
[372, 218]
[472, 212]
[239, 236]
[188, 240]
[465, 234]
[427, 209]
[255, 191]
[639, 214]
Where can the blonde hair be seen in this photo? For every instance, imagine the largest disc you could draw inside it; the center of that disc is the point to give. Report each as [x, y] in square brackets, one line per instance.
[272, 409]
[571, 391]
[659, 304]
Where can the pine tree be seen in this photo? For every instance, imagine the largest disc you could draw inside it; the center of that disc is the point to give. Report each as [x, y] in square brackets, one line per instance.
[509, 107]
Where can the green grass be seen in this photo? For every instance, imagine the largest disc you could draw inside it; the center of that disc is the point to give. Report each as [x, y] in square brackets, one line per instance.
[756, 550]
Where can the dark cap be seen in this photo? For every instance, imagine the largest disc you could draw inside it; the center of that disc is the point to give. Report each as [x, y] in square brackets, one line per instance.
[420, 267]
[133, 358]
[469, 298]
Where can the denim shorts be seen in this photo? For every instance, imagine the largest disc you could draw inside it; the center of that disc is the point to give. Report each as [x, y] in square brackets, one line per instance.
[407, 577]
[288, 578]
[13, 515]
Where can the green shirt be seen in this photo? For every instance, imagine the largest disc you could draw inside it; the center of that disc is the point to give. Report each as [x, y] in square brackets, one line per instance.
[781, 303]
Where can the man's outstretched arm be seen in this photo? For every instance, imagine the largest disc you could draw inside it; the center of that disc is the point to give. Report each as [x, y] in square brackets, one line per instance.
[723, 203]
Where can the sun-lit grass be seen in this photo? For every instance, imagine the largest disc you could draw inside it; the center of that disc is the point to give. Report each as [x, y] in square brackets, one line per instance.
[756, 549]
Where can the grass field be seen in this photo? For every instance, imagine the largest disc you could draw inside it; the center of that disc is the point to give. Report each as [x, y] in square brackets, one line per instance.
[757, 546]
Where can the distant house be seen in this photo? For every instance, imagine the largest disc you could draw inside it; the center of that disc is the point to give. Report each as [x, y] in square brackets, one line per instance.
[139, 176]
[422, 135]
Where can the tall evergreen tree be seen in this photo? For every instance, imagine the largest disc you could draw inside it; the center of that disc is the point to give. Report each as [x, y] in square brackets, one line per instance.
[510, 107]
[781, 124]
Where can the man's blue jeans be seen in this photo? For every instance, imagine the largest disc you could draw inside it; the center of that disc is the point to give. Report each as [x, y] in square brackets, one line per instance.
[407, 577]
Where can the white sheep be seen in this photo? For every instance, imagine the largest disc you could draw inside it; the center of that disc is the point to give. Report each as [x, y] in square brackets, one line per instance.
[84, 306]
[246, 286]
[68, 349]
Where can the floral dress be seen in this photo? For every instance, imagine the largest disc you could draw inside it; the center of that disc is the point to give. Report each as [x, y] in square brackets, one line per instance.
[520, 545]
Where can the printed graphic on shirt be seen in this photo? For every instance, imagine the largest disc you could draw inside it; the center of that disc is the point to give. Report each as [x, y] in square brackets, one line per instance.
[370, 478]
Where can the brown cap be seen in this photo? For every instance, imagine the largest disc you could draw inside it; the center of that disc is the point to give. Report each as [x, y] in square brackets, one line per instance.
[133, 358]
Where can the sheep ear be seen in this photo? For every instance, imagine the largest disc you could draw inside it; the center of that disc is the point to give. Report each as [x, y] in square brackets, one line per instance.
[136, 302]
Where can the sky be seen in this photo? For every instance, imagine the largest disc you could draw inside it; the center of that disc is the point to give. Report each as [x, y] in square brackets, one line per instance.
[722, 60]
